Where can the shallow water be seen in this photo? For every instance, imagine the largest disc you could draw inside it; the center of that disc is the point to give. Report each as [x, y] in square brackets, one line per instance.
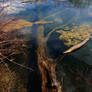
[76, 68]
[66, 12]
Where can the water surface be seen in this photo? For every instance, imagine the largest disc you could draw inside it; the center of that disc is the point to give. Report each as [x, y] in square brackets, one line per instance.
[75, 70]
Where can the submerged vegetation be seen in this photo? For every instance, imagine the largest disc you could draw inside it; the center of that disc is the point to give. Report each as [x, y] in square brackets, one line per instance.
[7, 78]
[12, 53]
[75, 34]
[17, 24]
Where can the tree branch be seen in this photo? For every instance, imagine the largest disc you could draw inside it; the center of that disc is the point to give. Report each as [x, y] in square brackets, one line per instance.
[25, 67]
[74, 48]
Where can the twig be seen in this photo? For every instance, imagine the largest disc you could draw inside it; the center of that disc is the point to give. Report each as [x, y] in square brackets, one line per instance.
[16, 63]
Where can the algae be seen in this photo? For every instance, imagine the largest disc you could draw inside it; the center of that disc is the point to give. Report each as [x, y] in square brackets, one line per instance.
[76, 34]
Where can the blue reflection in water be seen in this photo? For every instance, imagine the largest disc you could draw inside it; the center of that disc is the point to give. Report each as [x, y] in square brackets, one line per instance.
[67, 13]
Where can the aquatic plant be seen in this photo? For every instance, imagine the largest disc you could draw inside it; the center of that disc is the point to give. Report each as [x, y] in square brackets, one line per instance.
[7, 78]
[17, 24]
[75, 34]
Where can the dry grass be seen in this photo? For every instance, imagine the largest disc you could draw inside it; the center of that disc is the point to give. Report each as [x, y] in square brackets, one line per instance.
[12, 46]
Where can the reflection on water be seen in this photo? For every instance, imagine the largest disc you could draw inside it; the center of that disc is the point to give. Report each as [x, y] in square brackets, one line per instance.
[75, 70]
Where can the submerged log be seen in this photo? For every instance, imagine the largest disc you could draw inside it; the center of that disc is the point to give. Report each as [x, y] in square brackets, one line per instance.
[49, 82]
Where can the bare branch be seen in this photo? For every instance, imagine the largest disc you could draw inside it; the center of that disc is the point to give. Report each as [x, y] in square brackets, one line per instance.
[74, 48]
[25, 67]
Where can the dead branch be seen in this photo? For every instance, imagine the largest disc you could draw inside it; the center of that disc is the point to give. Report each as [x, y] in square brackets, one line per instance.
[74, 48]
[12, 61]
